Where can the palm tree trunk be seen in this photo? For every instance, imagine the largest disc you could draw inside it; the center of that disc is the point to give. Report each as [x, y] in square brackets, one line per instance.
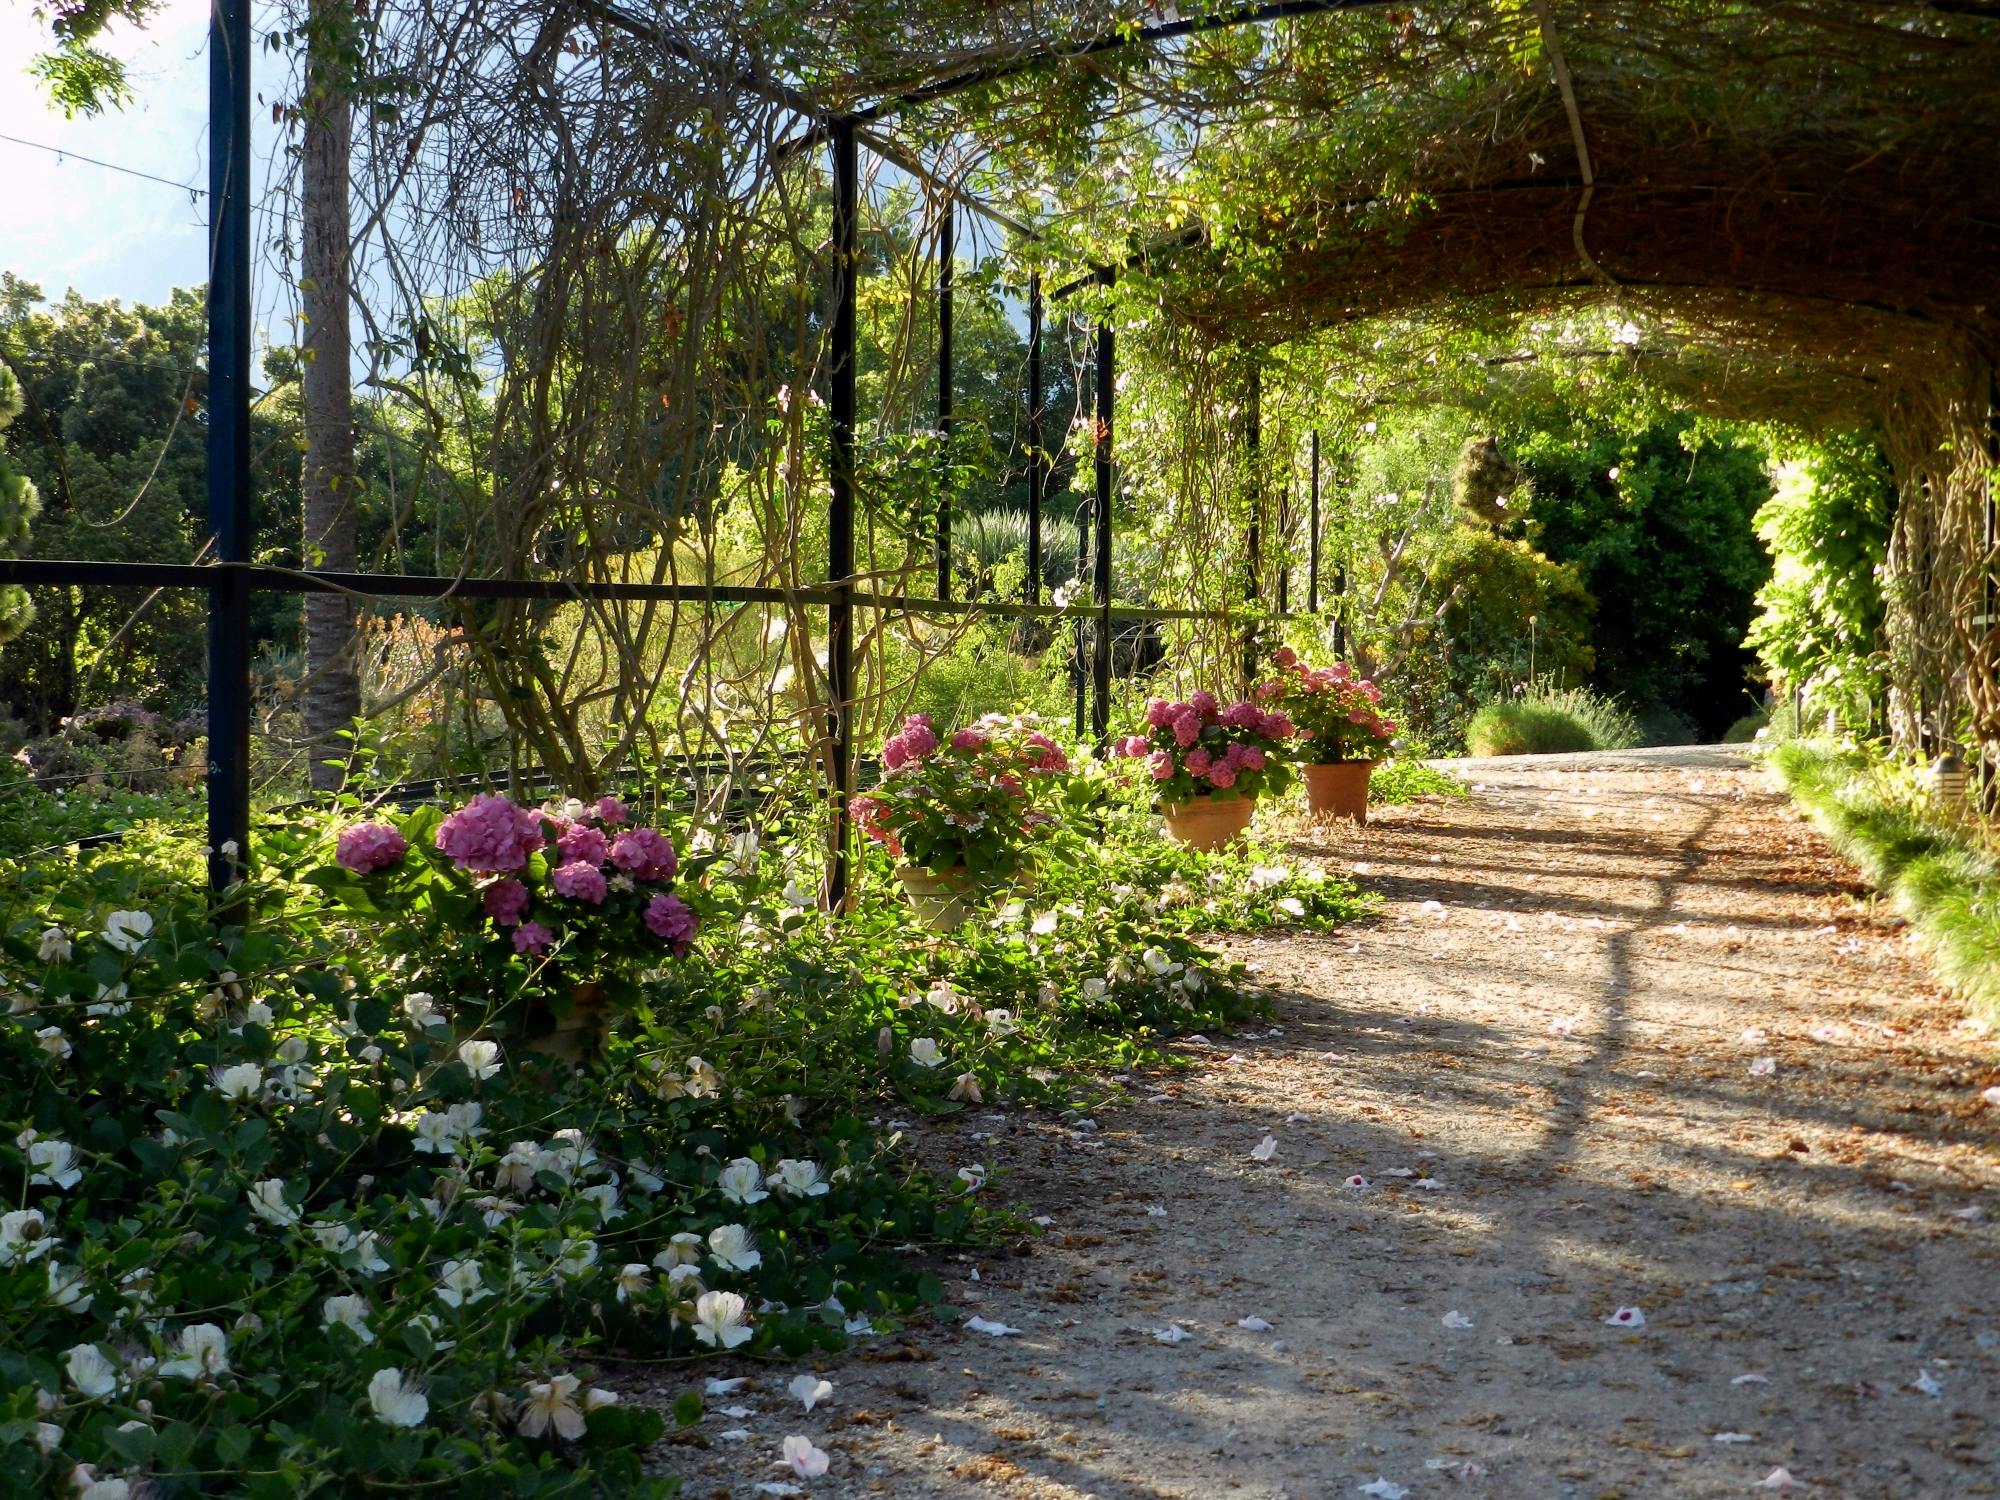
[332, 696]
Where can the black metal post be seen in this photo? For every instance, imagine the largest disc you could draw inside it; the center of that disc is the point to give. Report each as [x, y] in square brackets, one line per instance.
[1101, 668]
[946, 265]
[840, 515]
[1312, 545]
[229, 517]
[1285, 550]
[1037, 472]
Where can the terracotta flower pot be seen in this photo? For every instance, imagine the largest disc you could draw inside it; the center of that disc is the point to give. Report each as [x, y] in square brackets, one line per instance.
[943, 898]
[1339, 790]
[1208, 822]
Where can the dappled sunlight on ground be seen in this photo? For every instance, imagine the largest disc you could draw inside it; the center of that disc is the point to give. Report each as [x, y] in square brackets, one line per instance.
[1622, 1036]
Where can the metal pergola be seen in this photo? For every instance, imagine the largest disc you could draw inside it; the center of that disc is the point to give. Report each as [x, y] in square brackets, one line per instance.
[232, 577]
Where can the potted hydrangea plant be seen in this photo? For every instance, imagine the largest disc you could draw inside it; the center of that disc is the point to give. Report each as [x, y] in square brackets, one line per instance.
[1210, 763]
[573, 893]
[962, 814]
[1341, 731]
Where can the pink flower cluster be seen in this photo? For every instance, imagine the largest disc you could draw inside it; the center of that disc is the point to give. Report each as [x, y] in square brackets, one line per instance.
[915, 743]
[490, 835]
[1213, 745]
[365, 848]
[1337, 710]
[668, 918]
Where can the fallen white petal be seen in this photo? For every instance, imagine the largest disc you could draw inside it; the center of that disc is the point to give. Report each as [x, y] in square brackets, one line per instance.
[810, 1390]
[985, 1325]
[1265, 1149]
[1780, 1480]
[1734, 1437]
[1751, 1378]
[1928, 1384]
[1763, 1067]
[1627, 1317]
[1254, 1323]
[1456, 1319]
[1382, 1489]
[727, 1387]
[735, 1435]
[1173, 1333]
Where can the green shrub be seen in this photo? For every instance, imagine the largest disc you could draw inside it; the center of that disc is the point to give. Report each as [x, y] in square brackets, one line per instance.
[1610, 723]
[1397, 781]
[1525, 729]
[1936, 875]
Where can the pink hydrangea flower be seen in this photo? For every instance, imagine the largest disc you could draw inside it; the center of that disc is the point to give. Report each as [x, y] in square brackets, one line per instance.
[1233, 756]
[1044, 754]
[644, 854]
[1221, 776]
[668, 918]
[533, 937]
[1276, 727]
[1244, 715]
[490, 835]
[1160, 713]
[919, 739]
[580, 882]
[1161, 764]
[1253, 758]
[895, 753]
[1285, 656]
[613, 812]
[506, 901]
[1204, 703]
[583, 845]
[1134, 745]
[968, 739]
[1198, 761]
[368, 847]
[1187, 727]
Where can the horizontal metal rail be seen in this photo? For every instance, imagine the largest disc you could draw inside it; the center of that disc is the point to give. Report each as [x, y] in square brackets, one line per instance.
[47, 572]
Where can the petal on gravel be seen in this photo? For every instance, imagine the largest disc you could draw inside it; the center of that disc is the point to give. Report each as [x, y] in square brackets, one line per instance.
[1356, 1181]
[1254, 1323]
[1173, 1333]
[1734, 1437]
[1780, 1480]
[988, 1326]
[1763, 1067]
[1457, 1319]
[1750, 1378]
[1382, 1489]
[1928, 1384]
[811, 1390]
[1265, 1149]
[727, 1387]
[1627, 1317]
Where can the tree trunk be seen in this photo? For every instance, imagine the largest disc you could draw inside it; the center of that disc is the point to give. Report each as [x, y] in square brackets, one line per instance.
[332, 695]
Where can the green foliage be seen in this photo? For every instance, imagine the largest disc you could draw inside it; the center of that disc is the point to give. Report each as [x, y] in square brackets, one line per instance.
[19, 505]
[1551, 721]
[1940, 877]
[1656, 520]
[1397, 781]
[1513, 611]
[1827, 526]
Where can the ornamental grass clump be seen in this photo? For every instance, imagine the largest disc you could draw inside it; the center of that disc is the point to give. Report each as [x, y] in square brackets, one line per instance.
[980, 801]
[1337, 712]
[1200, 748]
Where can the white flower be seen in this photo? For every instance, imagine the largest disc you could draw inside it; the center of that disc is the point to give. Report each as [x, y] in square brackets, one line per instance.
[24, 1236]
[1094, 988]
[925, 1054]
[113, 1488]
[394, 1402]
[552, 1403]
[48, 1438]
[684, 1249]
[741, 1181]
[803, 1458]
[204, 1351]
[802, 1178]
[53, 1042]
[633, 1278]
[966, 1087]
[742, 860]
[1001, 1023]
[703, 1082]
[55, 946]
[267, 1201]
[481, 1058]
[111, 1001]
[1263, 877]
[720, 1321]
[437, 1133]
[944, 997]
[66, 1288]
[240, 1081]
[1158, 964]
[421, 1011]
[127, 930]
[811, 1390]
[733, 1249]
[90, 1372]
[54, 1163]
[350, 1313]
[461, 1283]
[1291, 906]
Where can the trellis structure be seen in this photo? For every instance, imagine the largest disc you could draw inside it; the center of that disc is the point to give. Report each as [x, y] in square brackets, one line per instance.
[1776, 238]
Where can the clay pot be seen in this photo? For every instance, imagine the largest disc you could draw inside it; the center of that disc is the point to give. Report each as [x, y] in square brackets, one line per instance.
[1339, 790]
[942, 898]
[1208, 822]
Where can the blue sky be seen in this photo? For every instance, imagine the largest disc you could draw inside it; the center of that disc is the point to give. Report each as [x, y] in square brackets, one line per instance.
[65, 223]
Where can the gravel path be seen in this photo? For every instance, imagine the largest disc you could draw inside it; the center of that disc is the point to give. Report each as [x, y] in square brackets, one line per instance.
[1625, 1036]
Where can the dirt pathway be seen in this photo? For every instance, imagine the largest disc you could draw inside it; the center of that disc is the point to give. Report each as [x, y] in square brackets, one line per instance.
[1623, 1037]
